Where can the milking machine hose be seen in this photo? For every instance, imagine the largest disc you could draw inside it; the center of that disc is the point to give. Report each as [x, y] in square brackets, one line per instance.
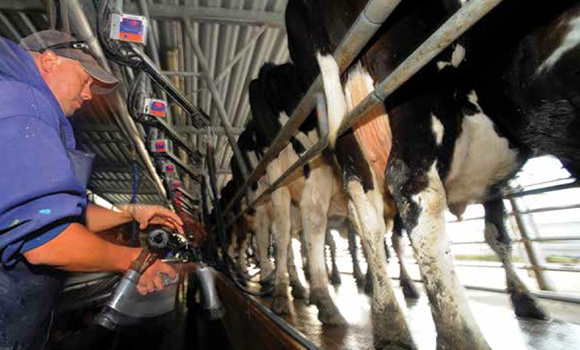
[131, 55]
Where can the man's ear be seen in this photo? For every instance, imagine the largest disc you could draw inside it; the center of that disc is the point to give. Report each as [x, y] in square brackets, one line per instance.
[48, 60]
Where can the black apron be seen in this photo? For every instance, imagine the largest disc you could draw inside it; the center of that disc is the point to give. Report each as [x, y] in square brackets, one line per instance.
[28, 292]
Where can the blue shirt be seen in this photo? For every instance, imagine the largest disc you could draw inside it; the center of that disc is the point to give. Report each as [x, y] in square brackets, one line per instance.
[39, 194]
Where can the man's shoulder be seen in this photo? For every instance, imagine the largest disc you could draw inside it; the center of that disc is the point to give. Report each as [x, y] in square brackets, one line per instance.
[19, 99]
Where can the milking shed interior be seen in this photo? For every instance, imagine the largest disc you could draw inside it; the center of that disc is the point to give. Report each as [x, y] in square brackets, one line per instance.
[198, 60]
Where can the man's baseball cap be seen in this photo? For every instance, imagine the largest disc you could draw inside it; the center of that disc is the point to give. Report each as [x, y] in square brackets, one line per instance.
[65, 45]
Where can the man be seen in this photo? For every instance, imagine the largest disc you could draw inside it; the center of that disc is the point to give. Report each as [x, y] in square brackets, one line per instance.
[46, 226]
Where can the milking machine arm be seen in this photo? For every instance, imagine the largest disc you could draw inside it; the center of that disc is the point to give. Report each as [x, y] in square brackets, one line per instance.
[127, 307]
[129, 54]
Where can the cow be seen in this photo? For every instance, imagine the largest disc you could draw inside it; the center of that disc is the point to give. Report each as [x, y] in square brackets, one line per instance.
[316, 191]
[460, 129]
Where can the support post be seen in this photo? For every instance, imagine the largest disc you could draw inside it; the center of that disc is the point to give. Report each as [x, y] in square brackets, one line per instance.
[217, 99]
[528, 231]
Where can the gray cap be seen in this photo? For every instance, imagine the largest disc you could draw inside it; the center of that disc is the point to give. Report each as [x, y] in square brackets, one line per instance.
[65, 45]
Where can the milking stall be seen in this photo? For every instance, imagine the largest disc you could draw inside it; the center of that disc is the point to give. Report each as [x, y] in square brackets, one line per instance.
[289, 174]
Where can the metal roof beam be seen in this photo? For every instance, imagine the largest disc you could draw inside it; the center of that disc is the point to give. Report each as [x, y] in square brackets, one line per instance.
[165, 11]
[217, 15]
[21, 5]
[182, 129]
[216, 98]
[120, 190]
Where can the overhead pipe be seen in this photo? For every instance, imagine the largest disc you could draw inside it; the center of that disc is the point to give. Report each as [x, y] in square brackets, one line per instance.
[239, 55]
[366, 25]
[152, 45]
[242, 74]
[217, 100]
[85, 32]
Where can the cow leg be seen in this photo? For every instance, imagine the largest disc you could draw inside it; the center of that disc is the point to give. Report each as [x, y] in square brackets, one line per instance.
[298, 290]
[368, 279]
[366, 212]
[420, 197]
[314, 209]
[496, 235]
[281, 203]
[262, 232]
[387, 252]
[409, 289]
[352, 248]
[304, 253]
[242, 255]
[334, 274]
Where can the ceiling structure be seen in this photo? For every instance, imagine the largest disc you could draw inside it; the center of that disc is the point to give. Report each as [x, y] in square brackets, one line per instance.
[234, 37]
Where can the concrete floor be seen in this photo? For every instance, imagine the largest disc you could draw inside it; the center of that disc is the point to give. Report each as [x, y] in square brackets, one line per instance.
[492, 311]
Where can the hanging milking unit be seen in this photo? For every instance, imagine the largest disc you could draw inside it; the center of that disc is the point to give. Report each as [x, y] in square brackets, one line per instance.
[121, 36]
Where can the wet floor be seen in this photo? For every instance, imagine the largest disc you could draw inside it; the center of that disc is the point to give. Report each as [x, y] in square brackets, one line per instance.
[492, 311]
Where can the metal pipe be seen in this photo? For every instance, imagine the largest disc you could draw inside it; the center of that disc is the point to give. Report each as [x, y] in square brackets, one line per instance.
[194, 173]
[521, 240]
[540, 294]
[8, 25]
[64, 17]
[181, 74]
[199, 117]
[218, 15]
[175, 137]
[85, 33]
[450, 31]
[153, 48]
[527, 228]
[152, 37]
[366, 25]
[306, 157]
[521, 267]
[26, 21]
[243, 74]
[239, 55]
[217, 99]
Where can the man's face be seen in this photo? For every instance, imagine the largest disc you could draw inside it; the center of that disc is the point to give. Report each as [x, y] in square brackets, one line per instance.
[68, 81]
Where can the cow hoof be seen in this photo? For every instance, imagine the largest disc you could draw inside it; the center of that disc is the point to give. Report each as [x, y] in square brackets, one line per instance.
[299, 292]
[368, 288]
[359, 280]
[410, 291]
[268, 279]
[281, 305]
[390, 346]
[335, 278]
[526, 306]
[328, 313]
[330, 316]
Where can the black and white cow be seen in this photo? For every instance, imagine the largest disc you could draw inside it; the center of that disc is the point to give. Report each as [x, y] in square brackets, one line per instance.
[460, 128]
[316, 193]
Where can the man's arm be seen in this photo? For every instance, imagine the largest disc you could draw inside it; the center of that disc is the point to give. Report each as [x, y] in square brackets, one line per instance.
[77, 249]
[100, 219]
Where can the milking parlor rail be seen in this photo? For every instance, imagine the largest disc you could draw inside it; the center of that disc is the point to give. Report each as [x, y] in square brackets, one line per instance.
[368, 22]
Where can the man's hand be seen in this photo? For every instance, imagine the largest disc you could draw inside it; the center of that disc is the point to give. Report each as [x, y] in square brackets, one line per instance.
[153, 214]
[150, 280]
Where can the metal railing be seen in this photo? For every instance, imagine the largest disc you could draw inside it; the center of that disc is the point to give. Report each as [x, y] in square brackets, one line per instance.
[366, 25]
[368, 22]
